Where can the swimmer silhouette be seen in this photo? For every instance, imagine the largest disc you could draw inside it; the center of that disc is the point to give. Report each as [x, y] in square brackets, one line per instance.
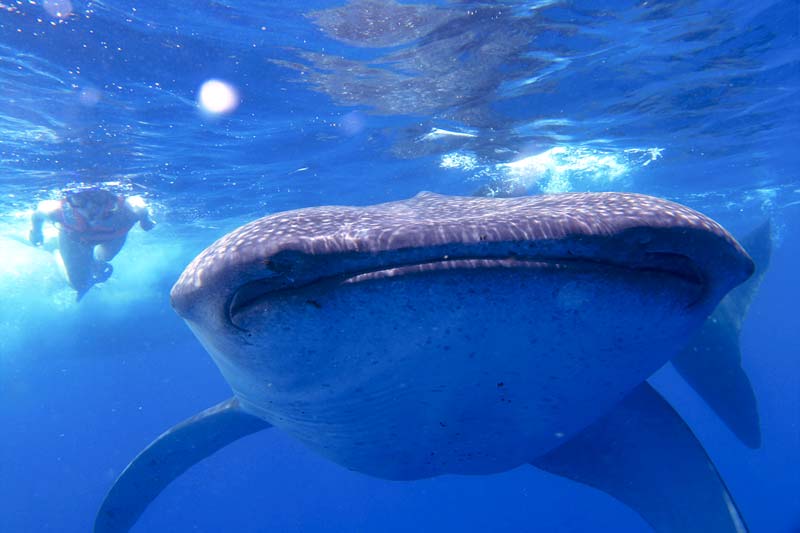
[92, 227]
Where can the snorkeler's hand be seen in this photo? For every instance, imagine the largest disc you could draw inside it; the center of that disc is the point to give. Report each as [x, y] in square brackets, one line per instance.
[36, 237]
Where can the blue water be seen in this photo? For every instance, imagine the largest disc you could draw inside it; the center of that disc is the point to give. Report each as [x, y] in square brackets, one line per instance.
[694, 101]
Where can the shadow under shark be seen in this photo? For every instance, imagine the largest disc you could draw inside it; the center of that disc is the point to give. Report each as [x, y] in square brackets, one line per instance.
[451, 335]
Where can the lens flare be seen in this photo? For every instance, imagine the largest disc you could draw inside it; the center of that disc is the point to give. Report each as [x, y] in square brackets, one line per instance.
[217, 97]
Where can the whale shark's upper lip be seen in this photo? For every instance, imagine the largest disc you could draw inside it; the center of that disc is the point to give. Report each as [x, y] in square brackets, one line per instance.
[297, 248]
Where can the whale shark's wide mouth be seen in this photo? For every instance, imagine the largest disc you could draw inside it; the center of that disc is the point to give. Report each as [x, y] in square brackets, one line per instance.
[672, 265]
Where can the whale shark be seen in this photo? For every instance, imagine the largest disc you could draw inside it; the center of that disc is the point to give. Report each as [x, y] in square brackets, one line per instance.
[461, 335]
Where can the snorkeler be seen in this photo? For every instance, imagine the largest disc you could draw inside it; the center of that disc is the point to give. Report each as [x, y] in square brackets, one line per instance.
[92, 227]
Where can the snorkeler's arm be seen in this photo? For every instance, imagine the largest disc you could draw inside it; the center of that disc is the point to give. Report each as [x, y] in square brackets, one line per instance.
[44, 211]
[139, 209]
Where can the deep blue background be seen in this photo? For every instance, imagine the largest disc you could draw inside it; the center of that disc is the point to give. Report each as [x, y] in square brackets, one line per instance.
[107, 95]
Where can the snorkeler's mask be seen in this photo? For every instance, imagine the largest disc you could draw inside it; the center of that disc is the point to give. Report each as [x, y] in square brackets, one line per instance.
[94, 204]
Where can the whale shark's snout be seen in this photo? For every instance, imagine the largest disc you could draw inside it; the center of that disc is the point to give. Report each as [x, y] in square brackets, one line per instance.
[585, 230]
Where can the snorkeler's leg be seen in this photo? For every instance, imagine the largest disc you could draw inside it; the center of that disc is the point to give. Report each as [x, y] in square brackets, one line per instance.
[107, 250]
[78, 262]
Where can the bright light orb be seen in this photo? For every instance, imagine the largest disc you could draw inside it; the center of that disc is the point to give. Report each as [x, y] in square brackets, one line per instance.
[217, 97]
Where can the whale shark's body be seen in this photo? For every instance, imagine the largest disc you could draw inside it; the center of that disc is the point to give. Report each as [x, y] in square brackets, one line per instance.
[449, 335]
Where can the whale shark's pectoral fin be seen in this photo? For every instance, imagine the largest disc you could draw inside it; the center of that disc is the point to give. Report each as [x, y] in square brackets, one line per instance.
[169, 456]
[644, 454]
[712, 366]
[712, 363]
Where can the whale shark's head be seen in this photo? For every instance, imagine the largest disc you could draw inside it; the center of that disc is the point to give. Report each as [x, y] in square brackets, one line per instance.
[297, 248]
[345, 326]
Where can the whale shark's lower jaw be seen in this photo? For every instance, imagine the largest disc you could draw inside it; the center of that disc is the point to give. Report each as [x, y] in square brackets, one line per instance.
[466, 343]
